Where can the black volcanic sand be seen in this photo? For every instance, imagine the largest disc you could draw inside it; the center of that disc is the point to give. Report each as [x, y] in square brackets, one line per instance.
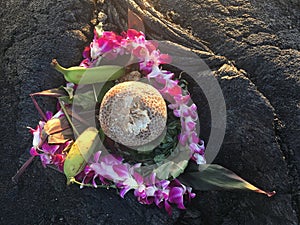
[251, 46]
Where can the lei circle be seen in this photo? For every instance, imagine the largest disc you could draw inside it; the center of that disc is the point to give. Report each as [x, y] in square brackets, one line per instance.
[111, 170]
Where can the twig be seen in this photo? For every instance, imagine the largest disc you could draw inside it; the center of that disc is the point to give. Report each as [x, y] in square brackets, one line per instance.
[15, 178]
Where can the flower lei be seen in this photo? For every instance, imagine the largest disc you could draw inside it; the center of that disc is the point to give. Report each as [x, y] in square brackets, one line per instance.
[109, 170]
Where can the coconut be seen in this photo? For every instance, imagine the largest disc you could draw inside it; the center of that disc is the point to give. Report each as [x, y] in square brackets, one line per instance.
[133, 113]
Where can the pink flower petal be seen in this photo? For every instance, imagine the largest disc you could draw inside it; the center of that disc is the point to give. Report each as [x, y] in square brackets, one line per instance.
[140, 52]
[176, 196]
[132, 34]
[50, 149]
[121, 170]
[97, 156]
[190, 125]
[151, 45]
[112, 159]
[164, 183]
[124, 190]
[177, 113]
[182, 139]
[194, 137]
[86, 52]
[165, 59]
[33, 152]
[139, 178]
[49, 115]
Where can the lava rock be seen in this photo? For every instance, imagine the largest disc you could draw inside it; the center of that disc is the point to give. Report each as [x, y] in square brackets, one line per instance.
[251, 47]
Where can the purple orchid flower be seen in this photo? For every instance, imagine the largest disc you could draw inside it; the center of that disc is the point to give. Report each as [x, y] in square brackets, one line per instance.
[48, 153]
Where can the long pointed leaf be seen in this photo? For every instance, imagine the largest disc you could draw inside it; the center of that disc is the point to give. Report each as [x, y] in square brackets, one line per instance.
[216, 177]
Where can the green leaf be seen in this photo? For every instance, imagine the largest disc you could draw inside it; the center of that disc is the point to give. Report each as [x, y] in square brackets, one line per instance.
[216, 177]
[69, 90]
[85, 100]
[105, 88]
[178, 168]
[174, 125]
[101, 135]
[159, 158]
[151, 145]
[66, 99]
[163, 171]
[170, 169]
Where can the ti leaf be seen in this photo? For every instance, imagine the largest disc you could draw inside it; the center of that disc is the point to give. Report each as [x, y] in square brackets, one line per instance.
[170, 169]
[103, 89]
[85, 100]
[216, 177]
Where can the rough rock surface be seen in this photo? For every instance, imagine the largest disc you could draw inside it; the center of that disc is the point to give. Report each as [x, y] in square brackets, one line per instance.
[251, 46]
[33, 33]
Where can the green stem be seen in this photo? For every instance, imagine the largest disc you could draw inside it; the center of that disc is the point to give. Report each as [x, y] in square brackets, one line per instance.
[68, 117]
[73, 180]
[58, 67]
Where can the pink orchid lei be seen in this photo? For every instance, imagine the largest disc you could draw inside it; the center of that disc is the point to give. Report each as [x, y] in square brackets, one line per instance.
[111, 170]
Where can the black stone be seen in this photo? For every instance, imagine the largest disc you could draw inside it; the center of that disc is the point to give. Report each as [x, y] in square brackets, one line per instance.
[252, 47]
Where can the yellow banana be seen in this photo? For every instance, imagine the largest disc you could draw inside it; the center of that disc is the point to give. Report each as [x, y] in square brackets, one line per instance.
[82, 75]
[80, 152]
